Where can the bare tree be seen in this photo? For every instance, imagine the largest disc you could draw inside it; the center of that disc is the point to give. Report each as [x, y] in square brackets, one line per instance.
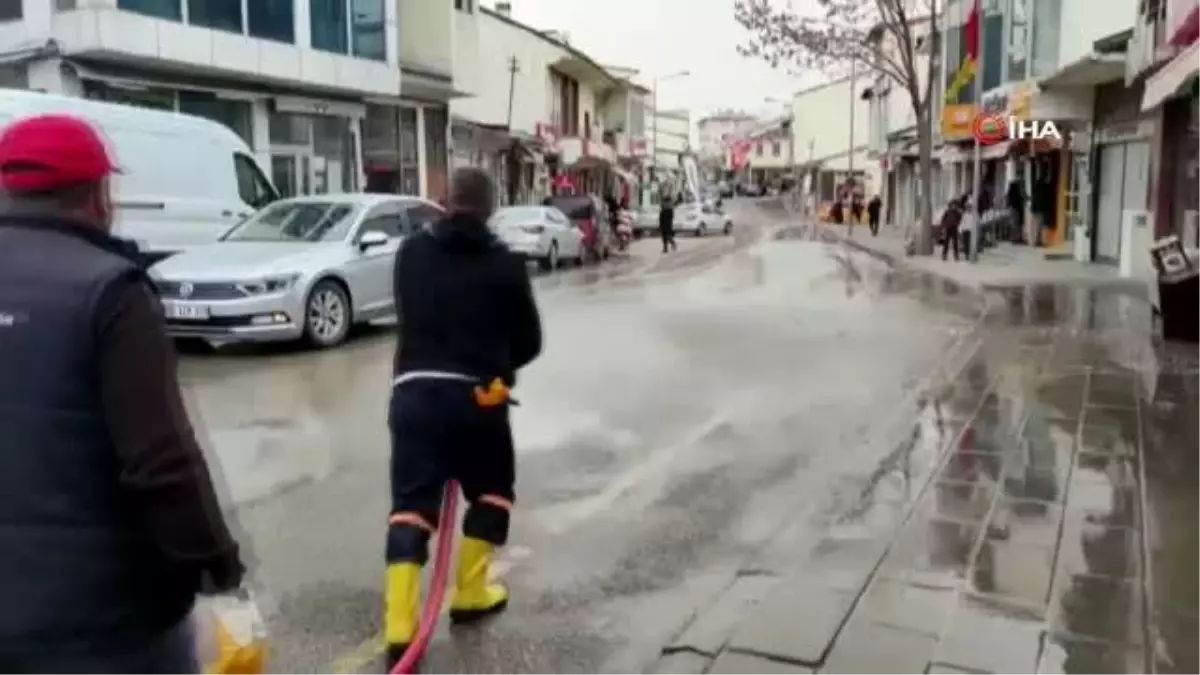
[842, 32]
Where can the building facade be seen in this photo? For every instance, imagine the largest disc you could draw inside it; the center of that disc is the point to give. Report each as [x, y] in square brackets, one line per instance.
[831, 133]
[768, 152]
[295, 78]
[670, 138]
[715, 133]
[540, 114]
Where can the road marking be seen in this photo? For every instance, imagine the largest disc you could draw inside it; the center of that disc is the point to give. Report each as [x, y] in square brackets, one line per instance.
[370, 649]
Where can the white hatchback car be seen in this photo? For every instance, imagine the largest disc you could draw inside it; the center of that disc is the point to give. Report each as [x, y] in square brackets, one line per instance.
[541, 233]
[702, 219]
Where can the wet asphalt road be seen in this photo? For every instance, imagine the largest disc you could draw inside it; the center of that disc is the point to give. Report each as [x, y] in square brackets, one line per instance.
[687, 409]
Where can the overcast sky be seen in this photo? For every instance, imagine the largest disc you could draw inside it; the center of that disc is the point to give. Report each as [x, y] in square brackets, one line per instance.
[661, 37]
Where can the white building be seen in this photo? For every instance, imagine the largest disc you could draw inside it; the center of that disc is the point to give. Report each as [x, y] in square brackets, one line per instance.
[539, 109]
[892, 130]
[300, 80]
[715, 132]
[670, 137]
[768, 152]
[831, 132]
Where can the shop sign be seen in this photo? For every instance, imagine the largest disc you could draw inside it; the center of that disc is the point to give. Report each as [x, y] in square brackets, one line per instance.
[957, 120]
[990, 129]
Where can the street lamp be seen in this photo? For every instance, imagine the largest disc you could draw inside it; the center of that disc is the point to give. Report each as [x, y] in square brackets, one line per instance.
[654, 115]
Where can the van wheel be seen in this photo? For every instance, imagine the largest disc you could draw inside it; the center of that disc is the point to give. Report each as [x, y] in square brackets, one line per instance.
[550, 262]
[327, 314]
[728, 229]
[702, 230]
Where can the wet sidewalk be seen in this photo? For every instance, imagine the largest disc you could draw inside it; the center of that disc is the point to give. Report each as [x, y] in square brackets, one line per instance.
[1035, 512]
[1002, 266]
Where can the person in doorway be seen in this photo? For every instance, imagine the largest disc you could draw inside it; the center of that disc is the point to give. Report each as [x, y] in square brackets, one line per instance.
[1043, 211]
[666, 217]
[613, 206]
[468, 323]
[856, 208]
[1016, 211]
[111, 522]
[951, 219]
[836, 214]
[873, 208]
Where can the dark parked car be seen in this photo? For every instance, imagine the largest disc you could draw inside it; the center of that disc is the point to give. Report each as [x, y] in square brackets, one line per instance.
[589, 215]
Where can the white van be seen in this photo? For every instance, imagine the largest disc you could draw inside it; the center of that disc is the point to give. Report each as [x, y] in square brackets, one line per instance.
[184, 180]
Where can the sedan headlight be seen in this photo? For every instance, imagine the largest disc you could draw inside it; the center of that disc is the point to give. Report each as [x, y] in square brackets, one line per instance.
[268, 284]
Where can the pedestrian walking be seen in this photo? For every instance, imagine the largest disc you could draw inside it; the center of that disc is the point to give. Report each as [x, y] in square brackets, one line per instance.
[666, 218]
[856, 208]
[835, 212]
[873, 208]
[111, 524]
[468, 323]
[1016, 212]
[951, 219]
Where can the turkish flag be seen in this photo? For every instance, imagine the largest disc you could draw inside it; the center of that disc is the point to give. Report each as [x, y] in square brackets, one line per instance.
[971, 37]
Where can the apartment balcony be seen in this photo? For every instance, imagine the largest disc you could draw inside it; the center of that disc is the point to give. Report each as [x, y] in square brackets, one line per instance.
[626, 146]
[1161, 30]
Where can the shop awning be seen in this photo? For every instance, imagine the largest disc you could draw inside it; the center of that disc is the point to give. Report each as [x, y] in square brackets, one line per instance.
[1086, 71]
[1171, 78]
[427, 86]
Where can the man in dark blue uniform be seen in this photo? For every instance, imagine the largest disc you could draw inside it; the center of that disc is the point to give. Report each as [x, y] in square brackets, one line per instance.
[109, 524]
[467, 323]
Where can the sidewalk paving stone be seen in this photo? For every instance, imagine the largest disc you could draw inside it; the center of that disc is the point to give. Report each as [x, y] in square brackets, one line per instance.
[682, 663]
[712, 627]
[867, 647]
[797, 623]
[750, 664]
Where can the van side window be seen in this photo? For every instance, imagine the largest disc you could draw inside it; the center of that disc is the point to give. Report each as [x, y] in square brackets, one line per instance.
[253, 187]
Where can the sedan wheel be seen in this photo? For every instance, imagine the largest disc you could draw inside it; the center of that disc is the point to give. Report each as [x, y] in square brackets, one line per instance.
[550, 262]
[327, 315]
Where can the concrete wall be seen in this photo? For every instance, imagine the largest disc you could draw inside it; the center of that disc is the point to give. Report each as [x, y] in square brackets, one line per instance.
[428, 30]
[1085, 22]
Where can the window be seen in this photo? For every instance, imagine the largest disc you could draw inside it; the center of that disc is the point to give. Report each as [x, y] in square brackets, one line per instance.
[289, 129]
[587, 125]
[410, 164]
[329, 25]
[368, 37]
[272, 19]
[775, 151]
[163, 9]
[1017, 14]
[236, 115]
[467, 6]
[1045, 26]
[384, 218]
[420, 216]
[758, 148]
[10, 11]
[64, 5]
[296, 221]
[219, 14]
[153, 98]
[253, 187]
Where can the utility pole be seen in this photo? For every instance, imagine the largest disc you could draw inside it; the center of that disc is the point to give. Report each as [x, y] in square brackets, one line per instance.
[977, 181]
[853, 100]
[512, 167]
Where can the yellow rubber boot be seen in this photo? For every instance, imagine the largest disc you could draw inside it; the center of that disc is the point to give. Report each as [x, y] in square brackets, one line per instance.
[402, 607]
[474, 598]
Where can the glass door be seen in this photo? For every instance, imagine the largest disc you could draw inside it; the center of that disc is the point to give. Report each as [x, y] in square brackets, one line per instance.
[292, 173]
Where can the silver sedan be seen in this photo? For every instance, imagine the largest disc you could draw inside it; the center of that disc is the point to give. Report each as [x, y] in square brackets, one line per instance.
[301, 268]
[540, 233]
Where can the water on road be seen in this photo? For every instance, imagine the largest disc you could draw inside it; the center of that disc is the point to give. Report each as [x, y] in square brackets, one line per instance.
[686, 410]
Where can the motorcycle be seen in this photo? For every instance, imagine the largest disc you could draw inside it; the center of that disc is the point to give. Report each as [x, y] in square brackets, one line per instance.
[624, 230]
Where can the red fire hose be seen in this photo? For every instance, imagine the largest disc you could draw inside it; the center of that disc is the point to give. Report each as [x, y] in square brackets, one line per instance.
[447, 525]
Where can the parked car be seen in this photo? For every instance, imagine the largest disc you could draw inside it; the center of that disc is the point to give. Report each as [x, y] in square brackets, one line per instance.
[750, 189]
[701, 219]
[541, 233]
[159, 200]
[587, 214]
[725, 189]
[304, 267]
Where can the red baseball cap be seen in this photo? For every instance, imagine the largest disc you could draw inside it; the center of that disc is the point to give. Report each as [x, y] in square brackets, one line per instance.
[48, 152]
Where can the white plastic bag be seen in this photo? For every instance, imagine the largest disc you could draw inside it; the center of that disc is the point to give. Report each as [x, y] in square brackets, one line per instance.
[231, 638]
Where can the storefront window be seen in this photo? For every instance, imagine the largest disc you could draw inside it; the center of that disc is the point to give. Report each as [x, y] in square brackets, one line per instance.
[333, 145]
[236, 115]
[219, 14]
[1045, 25]
[10, 11]
[992, 47]
[14, 77]
[410, 167]
[436, 152]
[367, 29]
[162, 9]
[272, 19]
[1017, 15]
[329, 25]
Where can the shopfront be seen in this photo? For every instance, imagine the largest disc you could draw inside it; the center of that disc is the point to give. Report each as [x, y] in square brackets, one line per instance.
[314, 145]
[391, 151]
[1122, 156]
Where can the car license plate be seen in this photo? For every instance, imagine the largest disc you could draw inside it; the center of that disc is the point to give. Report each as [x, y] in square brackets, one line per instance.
[185, 311]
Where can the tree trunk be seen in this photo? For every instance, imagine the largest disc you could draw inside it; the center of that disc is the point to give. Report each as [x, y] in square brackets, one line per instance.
[925, 172]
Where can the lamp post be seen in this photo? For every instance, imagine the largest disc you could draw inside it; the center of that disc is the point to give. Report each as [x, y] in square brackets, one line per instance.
[654, 116]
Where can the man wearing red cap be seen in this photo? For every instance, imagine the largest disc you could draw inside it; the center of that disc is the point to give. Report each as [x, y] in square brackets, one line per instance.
[108, 519]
